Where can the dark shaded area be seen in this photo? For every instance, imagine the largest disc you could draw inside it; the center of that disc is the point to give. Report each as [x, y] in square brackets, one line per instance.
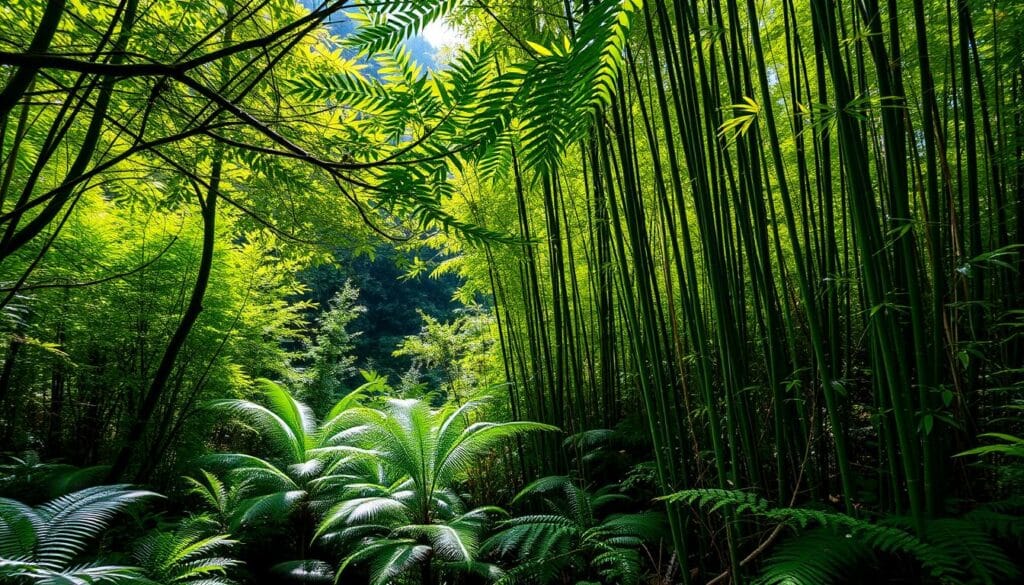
[391, 303]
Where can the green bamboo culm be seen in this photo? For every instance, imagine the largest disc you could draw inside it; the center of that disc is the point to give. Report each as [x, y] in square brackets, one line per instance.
[773, 211]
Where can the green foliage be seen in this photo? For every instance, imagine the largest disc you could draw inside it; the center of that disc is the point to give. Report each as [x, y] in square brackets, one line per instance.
[382, 29]
[193, 553]
[951, 550]
[1008, 445]
[104, 194]
[347, 87]
[469, 107]
[329, 352]
[44, 544]
[406, 514]
[978, 558]
[219, 499]
[885, 538]
[777, 244]
[819, 555]
[575, 538]
[304, 456]
[568, 82]
[379, 482]
[457, 357]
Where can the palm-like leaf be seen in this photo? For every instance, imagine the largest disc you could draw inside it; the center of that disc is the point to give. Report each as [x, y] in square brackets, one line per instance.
[307, 456]
[389, 558]
[454, 543]
[277, 505]
[73, 520]
[371, 510]
[42, 543]
[285, 423]
[408, 511]
[19, 529]
[86, 574]
[476, 440]
[212, 491]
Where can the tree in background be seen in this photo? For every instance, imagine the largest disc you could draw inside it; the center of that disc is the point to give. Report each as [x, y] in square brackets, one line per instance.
[457, 357]
[392, 302]
[233, 117]
[329, 351]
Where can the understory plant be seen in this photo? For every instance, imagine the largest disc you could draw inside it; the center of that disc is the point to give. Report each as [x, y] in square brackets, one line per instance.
[376, 487]
[46, 544]
[194, 553]
[409, 518]
[576, 536]
[64, 542]
[298, 477]
[832, 547]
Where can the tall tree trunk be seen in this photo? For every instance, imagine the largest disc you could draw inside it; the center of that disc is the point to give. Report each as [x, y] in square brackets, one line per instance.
[22, 78]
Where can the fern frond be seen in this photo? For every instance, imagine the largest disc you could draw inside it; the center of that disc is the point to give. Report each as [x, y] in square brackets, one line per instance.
[371, 510]
[20, 526]
[815, 557]
[348, 89]
[879, 537]
[210, 489]
[271, 506]
[971, 551]
[450, 543]
[73, 520]
[379, 31]
[274, 429]
[562, 88]
[715, 499]
[388, 558]
[1001, 524]
[477, 439]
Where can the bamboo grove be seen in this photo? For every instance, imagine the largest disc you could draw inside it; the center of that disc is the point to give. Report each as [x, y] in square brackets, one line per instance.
[790, 245]
[737, 292]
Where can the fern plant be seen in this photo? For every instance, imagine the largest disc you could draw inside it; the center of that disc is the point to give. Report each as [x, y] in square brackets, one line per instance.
[568, 81]
[407, 517]
[574, 538]
[303, 456]
[386, 25]
[434, 123]
[220, 499]
[821, 556]
[192, 554]
[829, 546]
[300, 477]
[835, 555]
[44, 544]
